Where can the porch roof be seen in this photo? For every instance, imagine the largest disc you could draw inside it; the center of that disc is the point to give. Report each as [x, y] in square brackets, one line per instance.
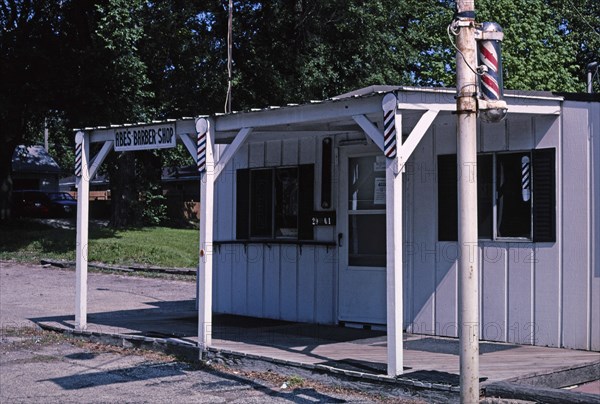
[335, 115]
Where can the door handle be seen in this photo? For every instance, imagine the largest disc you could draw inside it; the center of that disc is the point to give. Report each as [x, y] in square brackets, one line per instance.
[340, 236]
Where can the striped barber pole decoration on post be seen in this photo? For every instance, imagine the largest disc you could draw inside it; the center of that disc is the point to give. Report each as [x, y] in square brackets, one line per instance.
[490, 57]
[389, 105]
[201, 130]
[78, 153]
[525, 178]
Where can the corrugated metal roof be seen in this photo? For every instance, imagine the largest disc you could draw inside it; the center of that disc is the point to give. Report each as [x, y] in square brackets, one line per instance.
[365, 92]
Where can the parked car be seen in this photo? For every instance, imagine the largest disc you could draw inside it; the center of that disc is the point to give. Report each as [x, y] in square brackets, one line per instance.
[43, 204]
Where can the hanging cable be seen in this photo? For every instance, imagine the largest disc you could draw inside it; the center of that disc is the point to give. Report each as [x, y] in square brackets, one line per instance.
[453, 31]
[229, 58]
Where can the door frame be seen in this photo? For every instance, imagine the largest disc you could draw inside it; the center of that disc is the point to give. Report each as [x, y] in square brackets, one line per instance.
[344, 153]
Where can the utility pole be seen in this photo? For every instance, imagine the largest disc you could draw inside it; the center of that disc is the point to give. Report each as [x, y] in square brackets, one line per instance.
[468, 260]
[46, 134]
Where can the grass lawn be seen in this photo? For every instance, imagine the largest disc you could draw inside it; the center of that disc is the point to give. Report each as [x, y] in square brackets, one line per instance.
[32, 240]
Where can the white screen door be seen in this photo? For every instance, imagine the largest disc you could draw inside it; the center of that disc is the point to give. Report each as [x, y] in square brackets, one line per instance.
[363, 236]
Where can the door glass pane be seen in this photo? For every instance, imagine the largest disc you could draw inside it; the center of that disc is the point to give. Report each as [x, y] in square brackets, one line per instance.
[366, 183]
[367, 244]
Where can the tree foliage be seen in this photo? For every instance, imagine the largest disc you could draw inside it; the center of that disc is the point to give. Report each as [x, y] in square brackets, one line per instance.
[74, 63]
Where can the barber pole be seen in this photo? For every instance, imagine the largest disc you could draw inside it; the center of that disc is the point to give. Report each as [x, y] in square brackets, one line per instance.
[78, 153]
[389, 105]
[490, 57]
[202, 128]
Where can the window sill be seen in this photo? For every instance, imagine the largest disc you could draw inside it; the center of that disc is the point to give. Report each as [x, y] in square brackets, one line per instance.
[270, 242]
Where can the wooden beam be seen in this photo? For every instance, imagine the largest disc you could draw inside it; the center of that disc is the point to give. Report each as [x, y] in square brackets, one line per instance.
[190, 144]
[231, 149]
[318, 112]
[406, 149]
[99, 158]
[370, 130]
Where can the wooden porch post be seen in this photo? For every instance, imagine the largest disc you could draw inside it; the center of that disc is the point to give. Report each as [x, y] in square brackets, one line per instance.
[82, 149]
[394, 242]
[206, 167]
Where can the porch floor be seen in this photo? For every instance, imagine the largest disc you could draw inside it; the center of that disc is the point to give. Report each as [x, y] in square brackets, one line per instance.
[433, 358]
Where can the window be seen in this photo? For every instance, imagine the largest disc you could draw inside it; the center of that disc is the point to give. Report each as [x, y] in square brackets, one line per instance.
[275, 203]
[516, 196]
[366, 211]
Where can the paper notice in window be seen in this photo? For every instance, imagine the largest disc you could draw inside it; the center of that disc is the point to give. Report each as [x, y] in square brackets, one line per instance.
[379, 194]
[379, 164]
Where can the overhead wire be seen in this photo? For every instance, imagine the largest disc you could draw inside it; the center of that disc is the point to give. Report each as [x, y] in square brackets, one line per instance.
[229, 58]
[450, 30]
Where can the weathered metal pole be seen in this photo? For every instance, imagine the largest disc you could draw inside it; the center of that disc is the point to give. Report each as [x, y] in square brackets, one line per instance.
[468, 266]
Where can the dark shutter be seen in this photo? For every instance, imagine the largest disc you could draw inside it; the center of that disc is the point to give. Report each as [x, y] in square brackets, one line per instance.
[242, 204]
[261, 203]
[305, 201]
[485, 195]
[544, 195]
[447, 198]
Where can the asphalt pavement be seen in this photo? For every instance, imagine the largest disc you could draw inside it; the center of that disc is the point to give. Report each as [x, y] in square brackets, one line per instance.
[40, 366]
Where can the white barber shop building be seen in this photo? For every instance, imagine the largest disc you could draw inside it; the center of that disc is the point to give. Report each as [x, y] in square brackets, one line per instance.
[303, 218]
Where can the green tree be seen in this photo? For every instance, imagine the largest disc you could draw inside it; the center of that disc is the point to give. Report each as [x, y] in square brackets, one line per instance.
[29, 40]
[580, 21]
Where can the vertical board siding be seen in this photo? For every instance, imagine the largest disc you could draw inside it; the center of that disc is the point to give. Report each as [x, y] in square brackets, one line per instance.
[574, 228]
[424, 249]
[547, 291]
[595, 224]
[273, 153]
[520, 282]
[325, 264]
[520, 132]
[239, 280]
[493, 293]
[524, 297]
[271, 298]
[288, 285]
[519, 261]
[446, 289]
[493, 136]
[306, 284]
[273, 281]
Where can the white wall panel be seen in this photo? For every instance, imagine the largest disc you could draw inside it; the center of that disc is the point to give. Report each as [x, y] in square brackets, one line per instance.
[576, 287]
[290, 152]
[306, 283]
[595, 224]
[520, 132]
[547, 131]
[288, 284]
[273, 153]
[493, 291]
[308, 150]
[424, 248]
[239, 279]
[257, 255]
[520, 279]
[547, 293]
[493, 136]
[271, 282]
[446, 289]
[325, 264]
[256, 155]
